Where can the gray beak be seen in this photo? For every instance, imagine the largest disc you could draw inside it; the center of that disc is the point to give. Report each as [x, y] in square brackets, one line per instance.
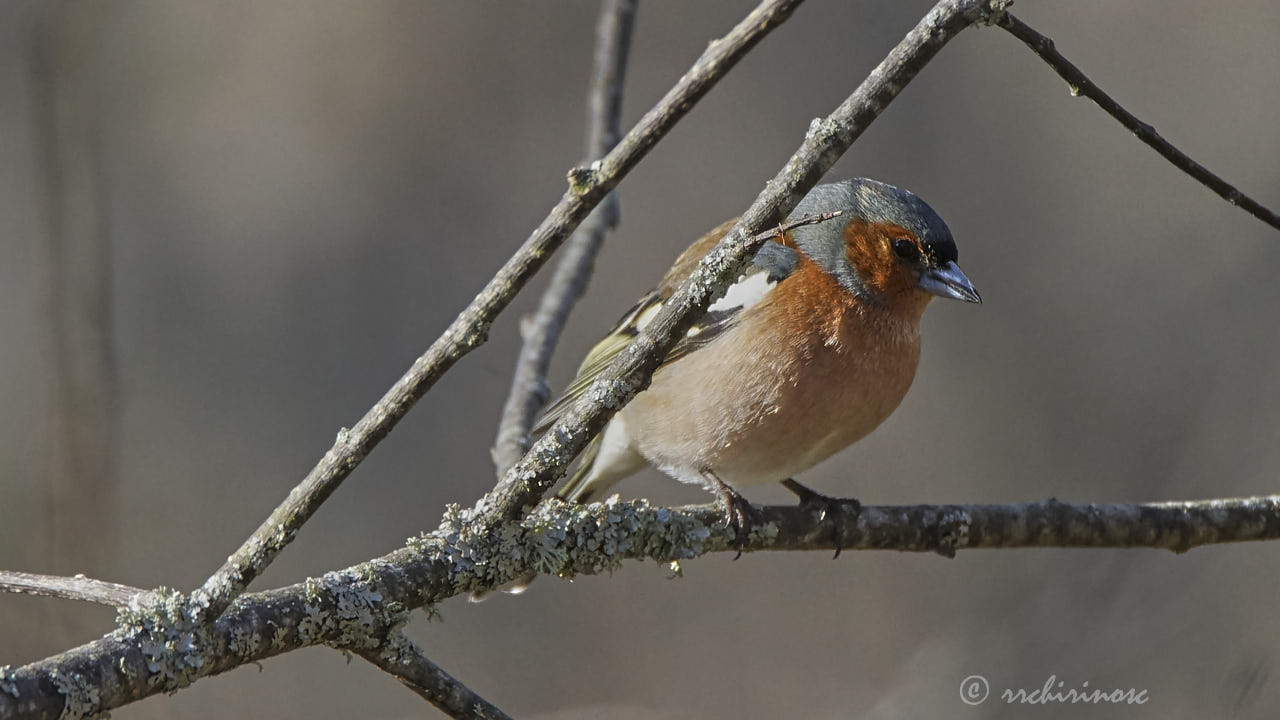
[947, 281]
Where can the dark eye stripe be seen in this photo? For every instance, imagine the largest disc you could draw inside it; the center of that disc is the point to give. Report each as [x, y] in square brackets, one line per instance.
[905, 249]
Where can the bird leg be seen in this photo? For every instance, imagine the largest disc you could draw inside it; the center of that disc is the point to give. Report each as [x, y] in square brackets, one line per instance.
[825, 505]
[738, 511]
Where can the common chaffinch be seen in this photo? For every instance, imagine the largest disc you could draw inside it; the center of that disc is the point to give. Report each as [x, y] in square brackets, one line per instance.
[811, 349]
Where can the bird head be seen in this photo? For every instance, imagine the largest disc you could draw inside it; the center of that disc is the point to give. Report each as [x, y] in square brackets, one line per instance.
[887, 246]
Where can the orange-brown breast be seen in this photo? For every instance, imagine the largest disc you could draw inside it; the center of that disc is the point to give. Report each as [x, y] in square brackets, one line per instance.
[804, 373]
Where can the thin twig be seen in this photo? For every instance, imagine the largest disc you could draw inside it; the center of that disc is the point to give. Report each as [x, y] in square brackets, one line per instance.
[403, 659]
[762, 237]
[371, 599]
[69, 588]
[1082, 85]
[541, 331]
[588, 186]
[827, 139]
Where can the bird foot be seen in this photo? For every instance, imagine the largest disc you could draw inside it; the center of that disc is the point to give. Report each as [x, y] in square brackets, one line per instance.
[825, 505]
[739, 513]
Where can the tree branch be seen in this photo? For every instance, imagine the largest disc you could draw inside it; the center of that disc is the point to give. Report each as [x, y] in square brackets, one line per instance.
[468, 331]
[826, 141]
[403, 659]
[541, 331]
[69, 588]
[1082, 85]
[162, 648]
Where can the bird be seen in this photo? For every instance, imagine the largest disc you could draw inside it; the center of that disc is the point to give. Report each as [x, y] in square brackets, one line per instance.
[812, 348]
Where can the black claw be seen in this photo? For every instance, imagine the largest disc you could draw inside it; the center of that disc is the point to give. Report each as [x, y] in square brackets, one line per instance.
[825, 505]
[739, 513]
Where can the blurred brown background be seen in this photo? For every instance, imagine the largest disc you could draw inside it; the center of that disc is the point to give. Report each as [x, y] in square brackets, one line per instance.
[297, 197]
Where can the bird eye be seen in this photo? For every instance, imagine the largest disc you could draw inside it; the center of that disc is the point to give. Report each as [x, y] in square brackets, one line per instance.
[905, 249]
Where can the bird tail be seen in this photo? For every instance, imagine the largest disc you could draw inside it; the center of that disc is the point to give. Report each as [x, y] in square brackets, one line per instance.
[578, 489]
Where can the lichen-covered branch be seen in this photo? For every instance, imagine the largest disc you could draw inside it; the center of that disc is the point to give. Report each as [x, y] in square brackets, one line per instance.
[161, 647]
[824, 144]
[404, 660]
[588, 186]
[69, 588]
[541, 330]
[1082, 85]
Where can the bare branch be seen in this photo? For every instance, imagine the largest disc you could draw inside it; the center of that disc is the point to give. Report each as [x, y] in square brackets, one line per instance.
[541, 331]
[160, 649]
[823, 145]
[403, 659]
[1082, 85]
[69, 588]
[1175, 526]
[468, 331]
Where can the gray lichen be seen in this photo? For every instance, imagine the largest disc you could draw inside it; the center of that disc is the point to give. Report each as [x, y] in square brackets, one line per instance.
[7, 683]
[349, 608]
[244, 642]
[169, 634]
[569, 539]
[360, 618]
[80, 697]
[399, 649]
[344, 609]
[955, 533]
